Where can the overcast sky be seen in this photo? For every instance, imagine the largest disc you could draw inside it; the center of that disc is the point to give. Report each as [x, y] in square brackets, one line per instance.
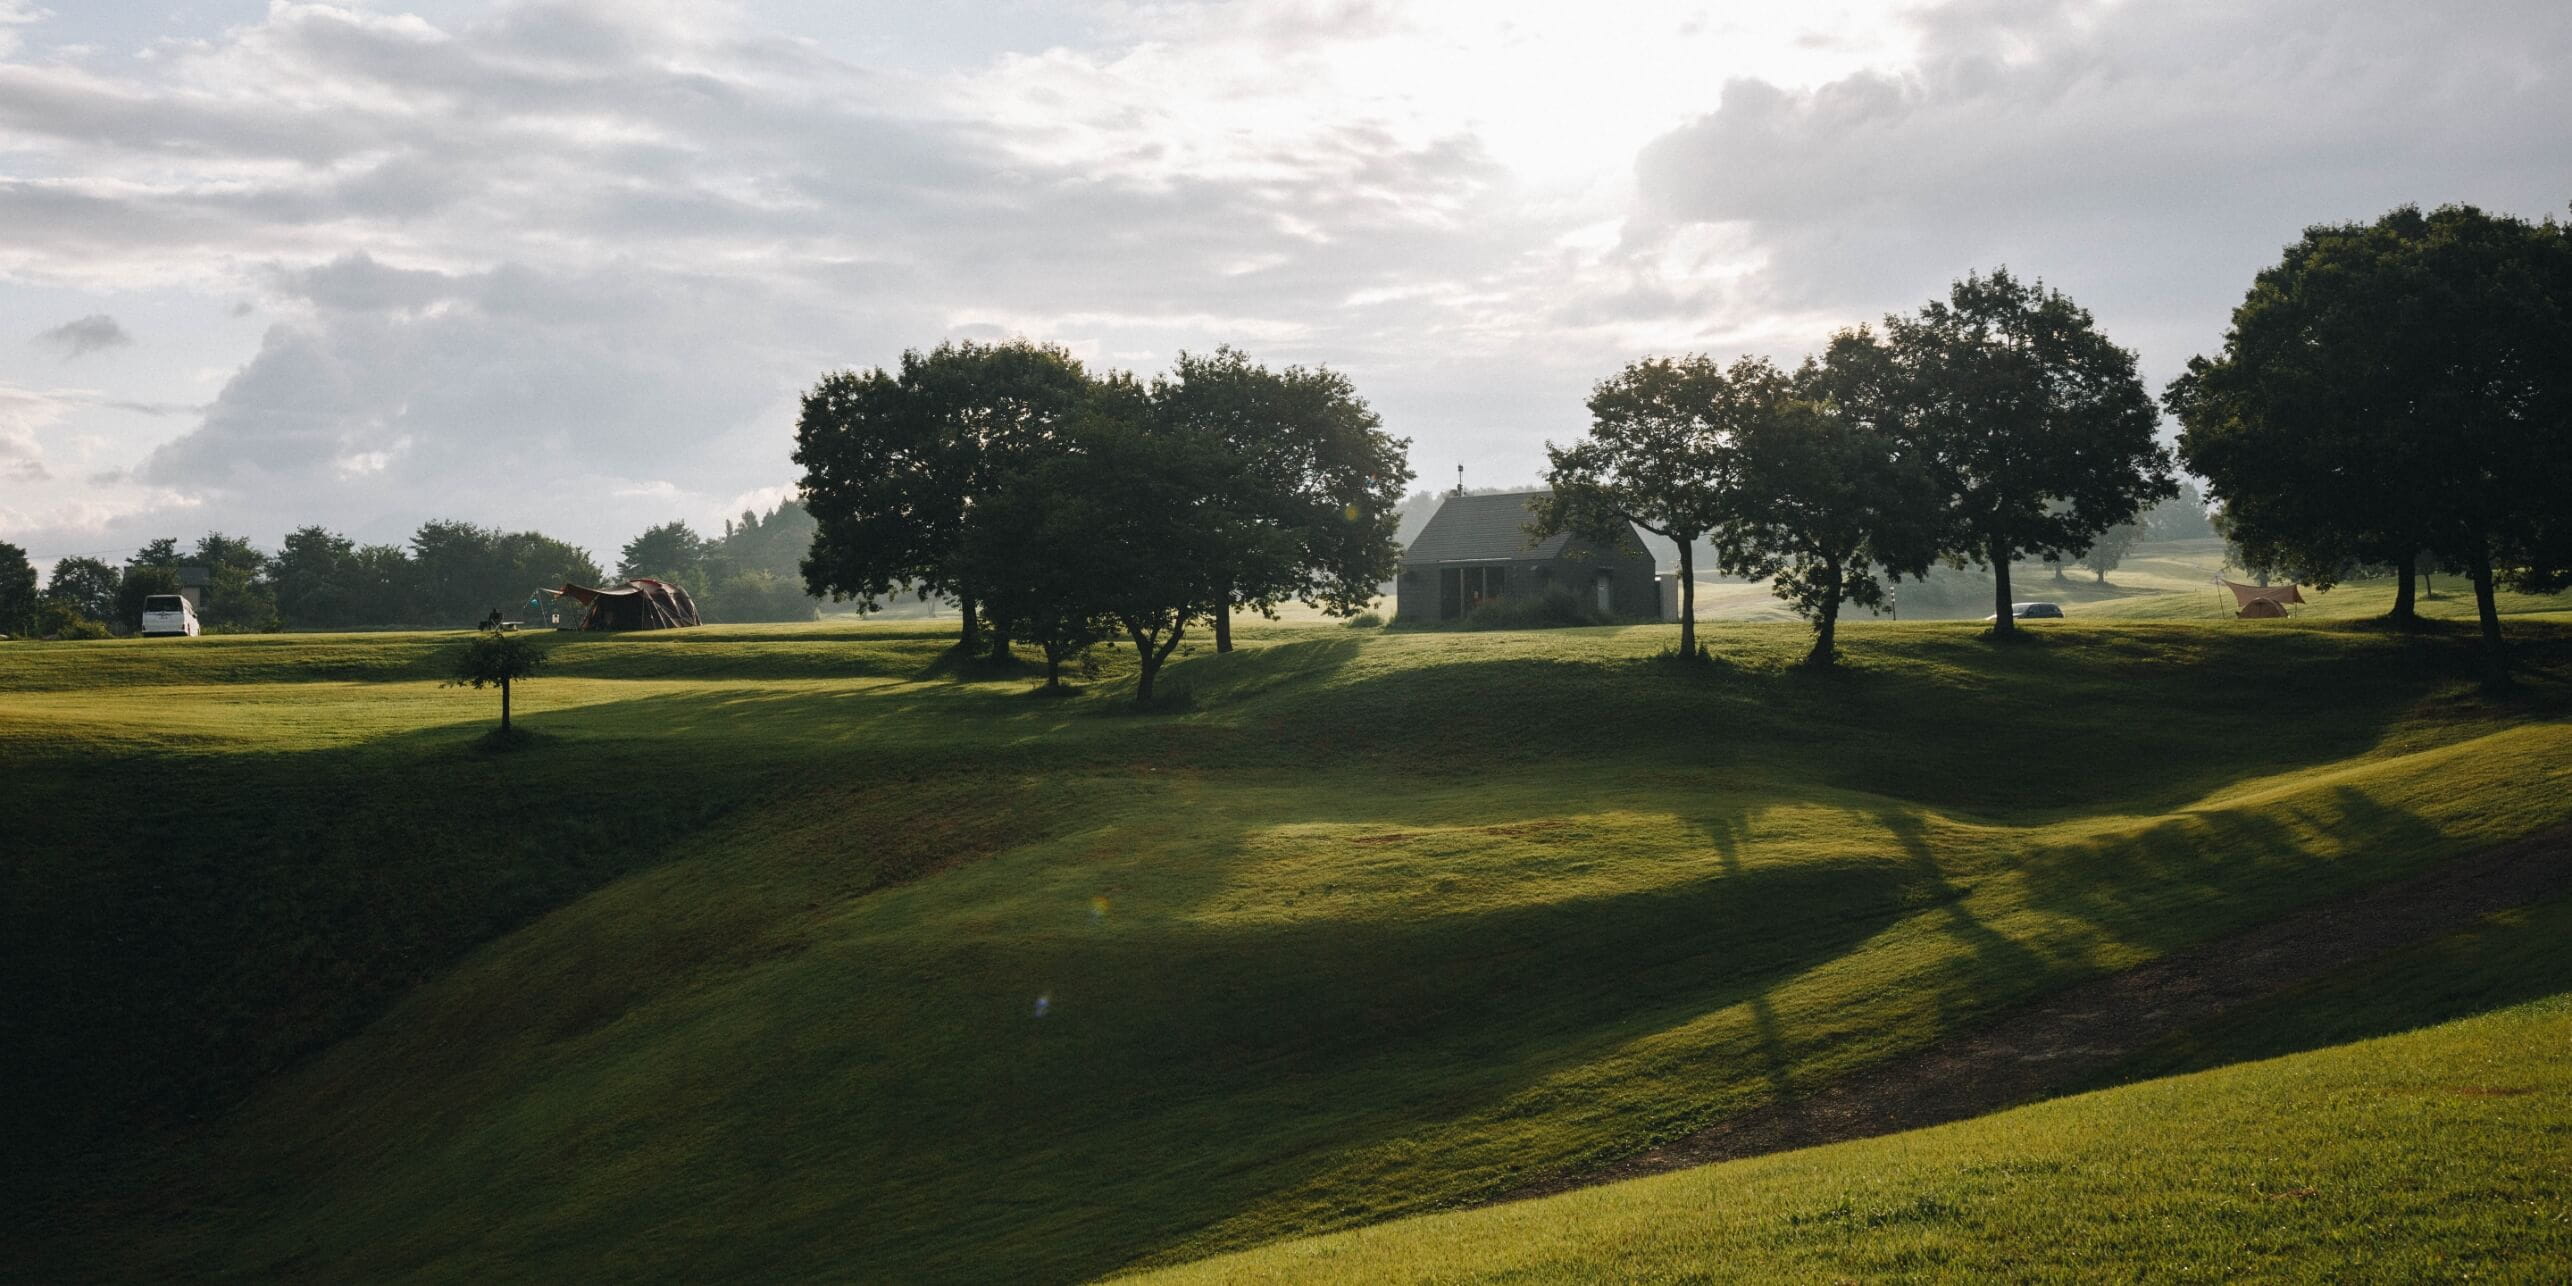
[568, 265]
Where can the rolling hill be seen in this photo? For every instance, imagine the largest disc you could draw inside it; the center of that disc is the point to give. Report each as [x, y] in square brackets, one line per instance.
[791, 951]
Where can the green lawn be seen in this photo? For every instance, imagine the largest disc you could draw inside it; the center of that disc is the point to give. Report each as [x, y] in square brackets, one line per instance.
[785, 951]
[2443, 1154]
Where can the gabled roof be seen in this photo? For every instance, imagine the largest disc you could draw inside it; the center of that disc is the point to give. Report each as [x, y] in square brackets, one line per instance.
[1467, 528]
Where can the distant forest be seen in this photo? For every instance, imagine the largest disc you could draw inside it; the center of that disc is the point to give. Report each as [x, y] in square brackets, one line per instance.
[449, 573]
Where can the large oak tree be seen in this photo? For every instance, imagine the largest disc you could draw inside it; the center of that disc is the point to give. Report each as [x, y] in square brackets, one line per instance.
[2034, 425]
[895, 460]
[2397, 386]
[1660, 456]
[1308, 469]
[1826, 505]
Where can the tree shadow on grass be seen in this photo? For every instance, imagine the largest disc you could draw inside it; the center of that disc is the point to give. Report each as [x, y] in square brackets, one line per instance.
[1357, 1033]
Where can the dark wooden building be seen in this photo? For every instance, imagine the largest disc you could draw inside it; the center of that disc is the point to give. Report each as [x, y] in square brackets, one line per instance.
[1477, 548]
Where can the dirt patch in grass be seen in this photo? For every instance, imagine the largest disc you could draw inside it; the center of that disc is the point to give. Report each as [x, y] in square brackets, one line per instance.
[2056, 1044]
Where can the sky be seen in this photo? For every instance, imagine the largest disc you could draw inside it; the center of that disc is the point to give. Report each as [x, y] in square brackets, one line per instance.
[568, 264]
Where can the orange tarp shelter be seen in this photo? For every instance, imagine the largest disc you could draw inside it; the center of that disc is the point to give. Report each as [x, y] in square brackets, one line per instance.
[2256, 601]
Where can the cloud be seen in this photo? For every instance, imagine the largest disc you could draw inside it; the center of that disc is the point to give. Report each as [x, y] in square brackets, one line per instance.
[567, 263]
[2147, 158]
[87, 335]
[23, 412]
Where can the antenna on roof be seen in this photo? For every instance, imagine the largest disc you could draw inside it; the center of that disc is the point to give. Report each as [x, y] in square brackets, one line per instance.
[1460, 480]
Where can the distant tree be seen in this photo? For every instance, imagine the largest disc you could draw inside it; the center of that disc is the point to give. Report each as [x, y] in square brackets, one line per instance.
[672, 551]
[494, 658]
[381, 580]
[893, 460]
[1826, 505]
[2308, 425]
[753, 571]
[17, 591]
[88, 584]
[774, 542]
[1660, 455]
[314, 578]
[2181, 517]
[239, 595]
[529, 559]
[1033, 551]
[460, 571]
[61, 618]
[163, 552]
[2397, 386]
[1314, 478]
[2110, 549]
[1134, 534]
[2034, 424]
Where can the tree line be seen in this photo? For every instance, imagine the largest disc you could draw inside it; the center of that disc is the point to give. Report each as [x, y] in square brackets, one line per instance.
[448, 573]
[1059, 507]
[2398, 393]
[1990, 426]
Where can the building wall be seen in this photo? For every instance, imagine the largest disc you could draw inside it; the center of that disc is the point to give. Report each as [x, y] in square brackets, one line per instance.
[1636, 592]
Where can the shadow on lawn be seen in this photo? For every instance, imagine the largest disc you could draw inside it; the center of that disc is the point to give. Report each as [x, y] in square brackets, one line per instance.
[1356, 1034]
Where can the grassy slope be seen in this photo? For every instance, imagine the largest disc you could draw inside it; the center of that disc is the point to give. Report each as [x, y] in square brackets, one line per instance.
[2160, 580]
[1386, 922]
[2441, 1154]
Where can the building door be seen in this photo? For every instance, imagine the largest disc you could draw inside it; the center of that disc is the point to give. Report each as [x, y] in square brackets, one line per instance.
[1451, 594]
[1607, 592]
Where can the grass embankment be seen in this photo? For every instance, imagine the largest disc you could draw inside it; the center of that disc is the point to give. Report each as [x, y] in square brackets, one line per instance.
[738, 972]
[2441, 1154]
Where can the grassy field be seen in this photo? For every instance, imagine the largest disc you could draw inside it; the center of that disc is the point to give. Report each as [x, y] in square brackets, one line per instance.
[787, 951]
[2442, 1154]
[2160, 580]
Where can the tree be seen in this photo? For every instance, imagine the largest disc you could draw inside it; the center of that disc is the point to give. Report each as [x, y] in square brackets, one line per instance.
[2034, 425]
[1313, 475]
[2307, 425]
[1134, 533]
[753, 571]
[1032, 549]
[61, 618]
[17, 591]
[2181, 517]
[237, 594]
[460, 571]
[2392, 387]
[1824, 503]
[314, 577]
[2110, 549]
[163, 552]
[380, 585]
[1660, 455]
[88, 584]
[671, 551]
[894, 460]
[494, 658]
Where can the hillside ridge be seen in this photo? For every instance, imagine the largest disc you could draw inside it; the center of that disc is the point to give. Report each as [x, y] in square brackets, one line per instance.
[2059, 1041]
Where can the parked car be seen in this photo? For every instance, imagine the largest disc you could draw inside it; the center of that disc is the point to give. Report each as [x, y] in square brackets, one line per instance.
[2030, 612]
[168, 615]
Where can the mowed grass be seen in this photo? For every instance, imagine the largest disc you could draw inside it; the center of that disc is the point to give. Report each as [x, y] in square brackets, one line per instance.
[789, 951]
[2441, 1154]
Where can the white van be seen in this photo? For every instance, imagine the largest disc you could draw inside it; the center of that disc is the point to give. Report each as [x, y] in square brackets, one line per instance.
[167, 614]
